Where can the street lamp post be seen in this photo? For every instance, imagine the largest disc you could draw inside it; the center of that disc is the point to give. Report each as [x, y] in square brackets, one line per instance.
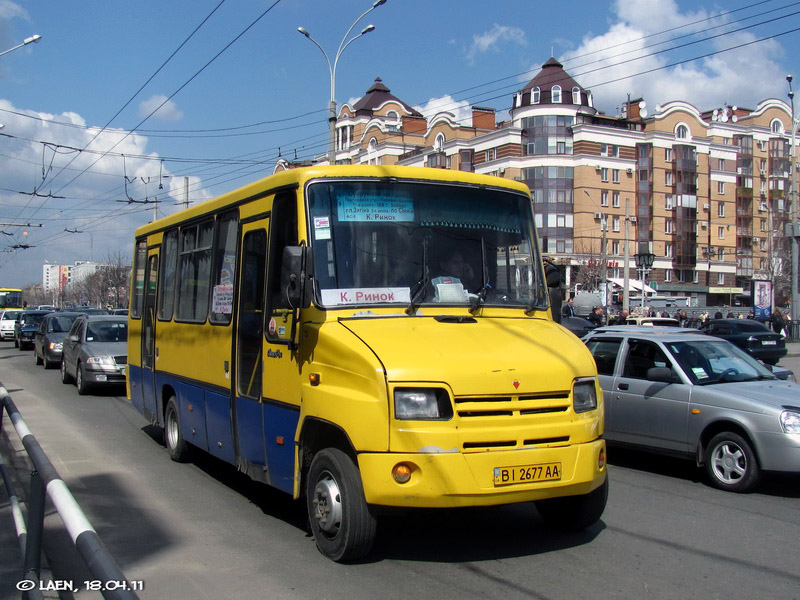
[30, 40]
[644, 260]
[332, 69]
[793, 213]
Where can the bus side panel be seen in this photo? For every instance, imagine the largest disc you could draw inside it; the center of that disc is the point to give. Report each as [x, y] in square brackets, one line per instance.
[280, 427]
[135, 386]
[191, 402]
[250, 432]
[218, 422]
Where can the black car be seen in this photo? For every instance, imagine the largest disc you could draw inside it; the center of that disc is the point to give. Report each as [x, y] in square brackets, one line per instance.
[578, 325]
[749, 335]
[26, 326]
[48, 341]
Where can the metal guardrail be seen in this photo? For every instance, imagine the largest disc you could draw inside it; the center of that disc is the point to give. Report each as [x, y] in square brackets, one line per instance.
[45, 480]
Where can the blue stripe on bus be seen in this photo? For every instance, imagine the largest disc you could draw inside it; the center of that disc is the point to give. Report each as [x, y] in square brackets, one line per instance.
[280, 425]
[249, 432]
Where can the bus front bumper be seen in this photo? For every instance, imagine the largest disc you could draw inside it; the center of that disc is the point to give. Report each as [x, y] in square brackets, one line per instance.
[480, 479]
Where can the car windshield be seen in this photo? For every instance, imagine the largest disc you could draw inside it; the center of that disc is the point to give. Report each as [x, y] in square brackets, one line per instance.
[60, 324]
[31, 319]
[10, 316]
[107, 331]
[707, 362]
[382, 243]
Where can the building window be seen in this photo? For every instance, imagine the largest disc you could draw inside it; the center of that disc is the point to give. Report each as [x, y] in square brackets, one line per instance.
[556, 94]
[615, 224]
[615, 199]
[776, 126]
[609, 150]
[604, 174]
[604, 198]
[668, 154]
[668, 250]
[721, 164]
[668, 202]
[535, 95]
[720, 278]
[682, 132]
[668, 275]
[615, 248]
[668, 177]
[491, 154]
[720, 253]
[721, 233]
[721, 209]
[615, 175]
[576, 95]
[695, 276]
[720, 187]
[438, 145]
[667, 225]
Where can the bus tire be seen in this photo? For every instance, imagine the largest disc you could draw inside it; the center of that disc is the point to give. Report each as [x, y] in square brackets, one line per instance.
[343, 527]
[574, 513]
[178, 449]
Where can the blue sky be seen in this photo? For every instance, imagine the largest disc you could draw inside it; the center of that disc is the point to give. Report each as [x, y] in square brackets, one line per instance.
[267, 94]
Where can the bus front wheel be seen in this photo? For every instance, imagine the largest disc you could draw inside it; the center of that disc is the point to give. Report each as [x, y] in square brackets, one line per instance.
[178, 449]
[343, 527]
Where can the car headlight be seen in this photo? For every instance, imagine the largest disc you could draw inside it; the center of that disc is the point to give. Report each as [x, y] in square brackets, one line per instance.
[584, 396]
[100, 360]
[56, 345]
[790, 421]
[423, 404]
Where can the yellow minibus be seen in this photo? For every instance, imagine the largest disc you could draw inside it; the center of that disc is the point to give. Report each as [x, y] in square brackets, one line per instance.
[368, 337]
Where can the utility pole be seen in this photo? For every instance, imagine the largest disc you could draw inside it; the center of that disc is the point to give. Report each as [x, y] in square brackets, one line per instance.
[626, 297]
[604, 270]
[793, 213]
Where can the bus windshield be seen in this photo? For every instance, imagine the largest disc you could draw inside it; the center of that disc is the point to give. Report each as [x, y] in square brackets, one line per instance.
[381, 242]
[10, 298]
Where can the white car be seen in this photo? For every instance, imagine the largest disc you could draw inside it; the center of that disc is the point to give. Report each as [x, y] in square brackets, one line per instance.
[7, 320]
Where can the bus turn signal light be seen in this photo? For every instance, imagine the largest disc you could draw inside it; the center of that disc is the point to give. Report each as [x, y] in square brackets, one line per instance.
[401, 473]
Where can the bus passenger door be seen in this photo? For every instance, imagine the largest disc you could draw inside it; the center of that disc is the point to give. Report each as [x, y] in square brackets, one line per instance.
[149, 340]
[247, 408]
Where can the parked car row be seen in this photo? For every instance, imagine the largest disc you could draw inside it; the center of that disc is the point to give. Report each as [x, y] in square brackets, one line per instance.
[696, 396]
[90, 349]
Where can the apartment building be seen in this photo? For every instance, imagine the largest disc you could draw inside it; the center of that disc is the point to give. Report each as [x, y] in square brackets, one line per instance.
[706, 192]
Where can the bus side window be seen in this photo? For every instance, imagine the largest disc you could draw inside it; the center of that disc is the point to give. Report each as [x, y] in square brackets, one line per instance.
[282, 233]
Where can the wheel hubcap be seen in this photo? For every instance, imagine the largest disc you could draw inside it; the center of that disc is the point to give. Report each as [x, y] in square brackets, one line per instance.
[172, 430]
[729, 462]
[327, 504]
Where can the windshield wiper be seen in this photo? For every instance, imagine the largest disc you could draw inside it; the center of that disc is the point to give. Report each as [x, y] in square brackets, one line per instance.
[475, 302]
[419, 295]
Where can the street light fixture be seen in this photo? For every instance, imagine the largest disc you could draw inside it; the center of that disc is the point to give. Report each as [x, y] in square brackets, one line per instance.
[332, 69]
[30, 40]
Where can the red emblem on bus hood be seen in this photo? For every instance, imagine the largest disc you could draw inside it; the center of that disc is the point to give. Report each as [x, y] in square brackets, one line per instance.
[515, 383]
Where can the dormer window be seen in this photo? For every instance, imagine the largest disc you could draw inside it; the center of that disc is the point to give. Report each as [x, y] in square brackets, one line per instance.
[576, 95]
[535, 95]
[555, 94]
[682, 132]
[776, 126]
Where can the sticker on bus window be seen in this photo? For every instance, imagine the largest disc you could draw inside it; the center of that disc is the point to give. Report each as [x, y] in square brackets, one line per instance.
[375, 209]
[322, 228]
[222, 299]
[387, 295]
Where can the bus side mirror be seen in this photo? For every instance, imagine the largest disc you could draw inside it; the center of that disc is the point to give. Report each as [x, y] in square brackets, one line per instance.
[295, 279]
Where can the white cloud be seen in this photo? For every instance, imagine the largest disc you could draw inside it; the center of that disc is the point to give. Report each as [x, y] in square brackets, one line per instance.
[460, 108]
[604, 64]
[493, 38]
[168, 112]
[94, 203]
[10, 10]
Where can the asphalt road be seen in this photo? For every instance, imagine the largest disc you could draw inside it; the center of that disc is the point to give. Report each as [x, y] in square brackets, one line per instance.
[202, 530]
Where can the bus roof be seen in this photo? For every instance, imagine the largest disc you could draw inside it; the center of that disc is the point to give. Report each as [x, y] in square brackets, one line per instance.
[294, 178]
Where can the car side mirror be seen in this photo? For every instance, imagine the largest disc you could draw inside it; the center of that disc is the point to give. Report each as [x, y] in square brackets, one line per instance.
[662, 374]
[295, 277]
[74, 338]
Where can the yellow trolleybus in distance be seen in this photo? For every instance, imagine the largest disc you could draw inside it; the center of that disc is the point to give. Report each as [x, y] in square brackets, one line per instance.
[367, 337]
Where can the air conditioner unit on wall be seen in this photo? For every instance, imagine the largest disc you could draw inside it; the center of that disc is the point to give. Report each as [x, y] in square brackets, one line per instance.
[706, 207]
[755, 240]
[629, 171]
[598, 215]
[633, 219]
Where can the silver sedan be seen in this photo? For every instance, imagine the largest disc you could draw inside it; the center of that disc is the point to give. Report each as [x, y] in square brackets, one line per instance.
[697, 397]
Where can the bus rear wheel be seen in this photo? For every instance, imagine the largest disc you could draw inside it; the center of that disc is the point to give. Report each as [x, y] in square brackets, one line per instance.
[178, 449]
[343, 527]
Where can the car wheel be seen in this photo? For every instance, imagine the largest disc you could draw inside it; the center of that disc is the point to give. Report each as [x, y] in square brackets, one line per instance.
[731, 463]
[80, 380]
[48, 364]
[179, 450]
[574, 513]
[341, 523]
[16, 342]
[771, 361]
[65, 377]
[36, 358]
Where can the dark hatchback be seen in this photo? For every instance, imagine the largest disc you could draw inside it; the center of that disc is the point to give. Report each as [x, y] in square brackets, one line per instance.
[751, 336]
[26, 326]
[48, 341]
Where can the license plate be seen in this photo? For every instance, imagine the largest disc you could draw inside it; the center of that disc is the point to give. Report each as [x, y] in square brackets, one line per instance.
[527, 474]
[769, 343]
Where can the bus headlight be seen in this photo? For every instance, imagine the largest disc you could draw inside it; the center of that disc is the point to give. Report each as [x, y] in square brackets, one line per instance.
[584, 396]
[423, 404]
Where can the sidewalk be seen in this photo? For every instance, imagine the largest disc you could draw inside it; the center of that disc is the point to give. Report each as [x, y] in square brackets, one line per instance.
[793, 349]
